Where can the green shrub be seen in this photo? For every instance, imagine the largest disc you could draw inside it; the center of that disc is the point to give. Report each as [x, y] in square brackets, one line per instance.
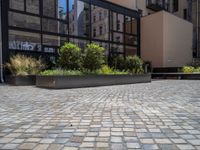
[134, 64]
[119, 63]
[59, 72]
[188, 69]
[24, 65]
[105, 70]
[94, 57]
[197, 70]
[69, 57]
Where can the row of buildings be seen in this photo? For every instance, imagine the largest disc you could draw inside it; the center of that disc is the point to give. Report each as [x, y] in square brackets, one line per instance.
[165, 32]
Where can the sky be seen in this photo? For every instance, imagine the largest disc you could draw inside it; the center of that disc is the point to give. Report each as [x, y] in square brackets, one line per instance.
[63, 4]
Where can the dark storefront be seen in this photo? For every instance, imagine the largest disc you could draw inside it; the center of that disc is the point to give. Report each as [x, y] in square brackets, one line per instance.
[40, 27]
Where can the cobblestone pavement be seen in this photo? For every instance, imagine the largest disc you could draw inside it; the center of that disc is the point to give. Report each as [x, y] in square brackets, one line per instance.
[158, 115]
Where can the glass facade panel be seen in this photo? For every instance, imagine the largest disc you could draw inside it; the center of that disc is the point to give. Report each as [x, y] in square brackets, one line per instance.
[32, 6]
[51, 40]
[24, 41]
[100, 23]
[62, 9]
[79, 20]
[131, 26]
[81, 43]
[131, 50]
[54, 26]
[24, 21]
[17, 4]
[49, 8]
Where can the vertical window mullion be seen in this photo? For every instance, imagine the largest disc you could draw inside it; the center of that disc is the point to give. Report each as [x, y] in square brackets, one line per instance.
[25, 5]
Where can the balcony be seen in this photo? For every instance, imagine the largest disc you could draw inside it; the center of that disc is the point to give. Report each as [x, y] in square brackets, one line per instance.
[157, 5]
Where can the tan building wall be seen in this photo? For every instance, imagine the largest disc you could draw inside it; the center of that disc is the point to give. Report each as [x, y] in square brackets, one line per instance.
[166, 40]
[152, 39]
[131, 4]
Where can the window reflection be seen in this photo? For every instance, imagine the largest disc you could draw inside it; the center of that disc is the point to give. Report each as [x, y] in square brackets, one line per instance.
[79, 21]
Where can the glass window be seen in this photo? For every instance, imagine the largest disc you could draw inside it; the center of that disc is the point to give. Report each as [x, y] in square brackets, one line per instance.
[118, 37]
[79, 18]
[17, 4]
[131, 25]
[24, 21]
[130, 40]
[50, 25]
[130, 50]
[32, 6]
[26, 41]
[51, 40]
[100, 24]
[116, 48]
[62, 9]
[49, 8]
[81, 43]
[117, 22]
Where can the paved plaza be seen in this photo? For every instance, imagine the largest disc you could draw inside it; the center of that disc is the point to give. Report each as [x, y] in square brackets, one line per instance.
[158, 115]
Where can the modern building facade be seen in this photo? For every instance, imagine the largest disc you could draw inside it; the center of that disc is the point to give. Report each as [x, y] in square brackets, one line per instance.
[40, 27]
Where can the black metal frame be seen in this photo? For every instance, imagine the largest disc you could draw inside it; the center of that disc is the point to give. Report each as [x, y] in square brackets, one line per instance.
[100, 3]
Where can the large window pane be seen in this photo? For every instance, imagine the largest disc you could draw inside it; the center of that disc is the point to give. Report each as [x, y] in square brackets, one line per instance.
[130, 50]
[32, 6]
[100, 23]
[26, 41]
[17, 4]
[81, 43]
[117, 22]
[62, 9]
[130, 40]
[51, 40]
[50, 25]
[49, 8]
[24, 21]
[79, 18]
[115, 48]
[131, 25]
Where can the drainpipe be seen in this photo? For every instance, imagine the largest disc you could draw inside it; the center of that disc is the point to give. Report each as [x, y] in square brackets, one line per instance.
[1, 54]
[198, 29]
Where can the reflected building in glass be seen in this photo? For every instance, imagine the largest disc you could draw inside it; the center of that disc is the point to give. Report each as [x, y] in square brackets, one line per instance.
[39, 28]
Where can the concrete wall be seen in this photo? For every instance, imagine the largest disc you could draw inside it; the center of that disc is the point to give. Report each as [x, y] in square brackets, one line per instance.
[152, 39]
[166, 40]
[178, 35]
[131, 4]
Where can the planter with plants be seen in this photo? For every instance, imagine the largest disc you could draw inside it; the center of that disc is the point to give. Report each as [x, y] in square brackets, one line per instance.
[23, 70]
[78, 69]
[187, 73]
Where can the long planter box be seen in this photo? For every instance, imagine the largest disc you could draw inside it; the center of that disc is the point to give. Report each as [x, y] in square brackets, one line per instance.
[183, 76]
[21, 80]
[65, 82]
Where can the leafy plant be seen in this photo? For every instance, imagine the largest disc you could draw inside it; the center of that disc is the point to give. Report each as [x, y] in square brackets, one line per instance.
[94, 57]
[60, 72]
[105, 69]
[70, 57]
[24, 65]
[197, 70]
[119, 63]
[134, 64]
[188, 69]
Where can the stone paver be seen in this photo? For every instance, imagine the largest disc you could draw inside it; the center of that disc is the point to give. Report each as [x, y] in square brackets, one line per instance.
[158, 115]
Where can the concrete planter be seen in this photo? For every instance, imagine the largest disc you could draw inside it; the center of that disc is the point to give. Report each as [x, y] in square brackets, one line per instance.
[183, 76]
[65, 82]
[21, 80]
